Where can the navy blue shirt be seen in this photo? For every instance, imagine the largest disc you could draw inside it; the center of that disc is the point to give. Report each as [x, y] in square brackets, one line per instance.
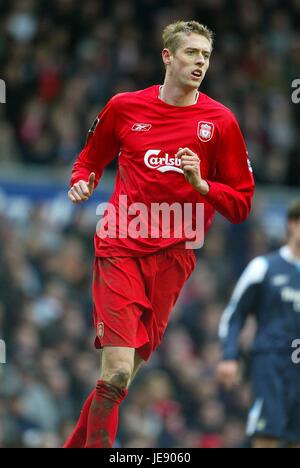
[269, 289]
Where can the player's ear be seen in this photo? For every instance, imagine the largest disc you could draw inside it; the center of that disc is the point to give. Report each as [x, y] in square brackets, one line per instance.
[166, 56]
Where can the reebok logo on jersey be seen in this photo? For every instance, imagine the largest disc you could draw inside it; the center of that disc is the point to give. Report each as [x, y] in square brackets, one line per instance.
[141, 127]
[163, 163]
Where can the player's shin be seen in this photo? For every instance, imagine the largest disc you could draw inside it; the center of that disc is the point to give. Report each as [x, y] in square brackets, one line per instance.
[104, 415]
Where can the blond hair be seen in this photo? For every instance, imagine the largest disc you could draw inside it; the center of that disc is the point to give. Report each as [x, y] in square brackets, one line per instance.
[172, 33]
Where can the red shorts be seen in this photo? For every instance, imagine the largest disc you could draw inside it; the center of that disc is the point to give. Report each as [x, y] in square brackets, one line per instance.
[134, 296]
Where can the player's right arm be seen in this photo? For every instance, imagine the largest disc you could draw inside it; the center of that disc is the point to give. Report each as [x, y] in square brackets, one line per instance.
[101, 148]
[244, 301]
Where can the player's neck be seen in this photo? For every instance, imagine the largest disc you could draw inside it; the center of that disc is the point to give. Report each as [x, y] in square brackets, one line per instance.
[176, 96]
[295, 249]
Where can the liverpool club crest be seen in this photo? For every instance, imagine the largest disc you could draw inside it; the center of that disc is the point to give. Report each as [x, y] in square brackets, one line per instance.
[205, 131]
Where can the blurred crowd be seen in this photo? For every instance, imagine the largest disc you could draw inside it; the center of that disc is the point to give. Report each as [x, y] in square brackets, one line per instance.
[63, 59]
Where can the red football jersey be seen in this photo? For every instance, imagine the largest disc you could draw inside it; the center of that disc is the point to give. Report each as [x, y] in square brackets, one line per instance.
[145, 133]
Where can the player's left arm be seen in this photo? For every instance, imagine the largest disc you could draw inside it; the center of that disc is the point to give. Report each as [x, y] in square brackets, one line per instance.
[232, 189]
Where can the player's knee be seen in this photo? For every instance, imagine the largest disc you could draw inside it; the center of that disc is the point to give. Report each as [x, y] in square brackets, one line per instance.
[119, 375]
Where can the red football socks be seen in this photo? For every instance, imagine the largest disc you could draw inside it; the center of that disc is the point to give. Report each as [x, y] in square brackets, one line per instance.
[103, 416]
[78, 437]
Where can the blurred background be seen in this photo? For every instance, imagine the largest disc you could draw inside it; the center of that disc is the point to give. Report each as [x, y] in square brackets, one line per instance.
[61, 61]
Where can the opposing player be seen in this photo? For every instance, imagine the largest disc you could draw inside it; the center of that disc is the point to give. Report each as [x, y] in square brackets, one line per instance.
[270, 290]
[174, 145]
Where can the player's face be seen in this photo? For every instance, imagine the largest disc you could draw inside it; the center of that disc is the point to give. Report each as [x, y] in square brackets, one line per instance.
[188, 65]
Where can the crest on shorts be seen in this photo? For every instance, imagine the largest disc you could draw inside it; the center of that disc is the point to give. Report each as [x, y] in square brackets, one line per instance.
[100, 329]
[205, 130]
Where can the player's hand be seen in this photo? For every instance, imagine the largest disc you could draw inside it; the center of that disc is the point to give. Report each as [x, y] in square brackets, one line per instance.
[190, 164]
[228, 374]
[82, 190]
